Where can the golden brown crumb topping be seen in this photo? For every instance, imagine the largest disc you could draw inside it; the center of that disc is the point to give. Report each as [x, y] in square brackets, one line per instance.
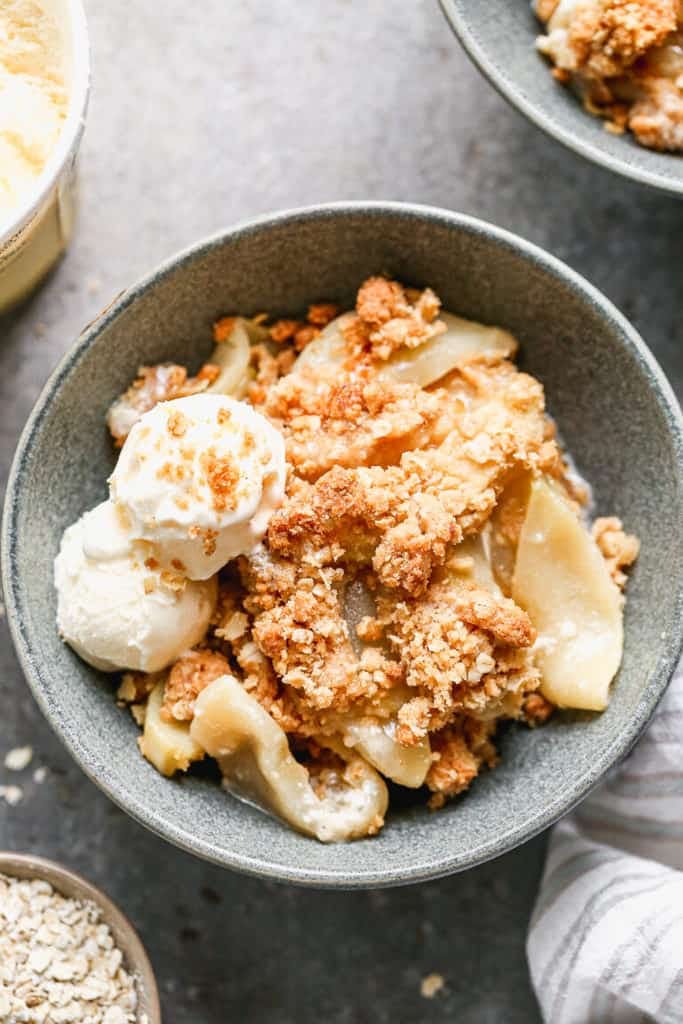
[389, 317]
[186, 680]
[403, 518]
[459, 751]
[177, 423]
[222, 476]
[334, 418]
[619, 549]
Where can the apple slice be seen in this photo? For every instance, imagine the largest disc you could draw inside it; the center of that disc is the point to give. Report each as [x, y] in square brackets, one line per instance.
[562, 581]
[257, 764]
[167, 745]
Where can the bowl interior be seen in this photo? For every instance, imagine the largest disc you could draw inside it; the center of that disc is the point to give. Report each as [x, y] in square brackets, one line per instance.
[71, 885]
[500, 38]
[615, 413]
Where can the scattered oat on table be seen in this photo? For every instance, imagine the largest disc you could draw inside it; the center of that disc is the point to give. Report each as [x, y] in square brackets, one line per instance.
[18, 758]
[12, 795]
[39, 775]
[58, 960]
[431, 985]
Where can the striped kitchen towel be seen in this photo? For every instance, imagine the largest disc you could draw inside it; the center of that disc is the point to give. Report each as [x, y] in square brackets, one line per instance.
[606, 936]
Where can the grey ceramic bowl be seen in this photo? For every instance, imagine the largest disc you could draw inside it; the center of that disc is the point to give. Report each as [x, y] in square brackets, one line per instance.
[499, 37]
[73, 886]
[615, 410]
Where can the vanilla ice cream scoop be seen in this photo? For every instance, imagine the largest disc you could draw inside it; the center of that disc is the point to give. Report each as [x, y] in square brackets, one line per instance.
[116, 607]
[199, 477]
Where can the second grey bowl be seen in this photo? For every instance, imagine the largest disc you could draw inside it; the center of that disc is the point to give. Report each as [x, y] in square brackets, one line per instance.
[615, 411]
[499, 36]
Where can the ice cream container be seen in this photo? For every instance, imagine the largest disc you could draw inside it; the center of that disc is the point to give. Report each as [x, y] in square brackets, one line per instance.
[40, 227]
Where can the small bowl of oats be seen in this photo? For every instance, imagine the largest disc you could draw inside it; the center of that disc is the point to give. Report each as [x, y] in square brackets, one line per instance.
[67, 953]
[603, 78]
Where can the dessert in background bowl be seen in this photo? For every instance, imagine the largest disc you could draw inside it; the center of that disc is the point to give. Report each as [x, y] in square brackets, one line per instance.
[622, 57]
[44, 80]
[624, 60]
[571, 340]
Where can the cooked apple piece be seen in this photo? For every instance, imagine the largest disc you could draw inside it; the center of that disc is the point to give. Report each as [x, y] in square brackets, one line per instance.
[471, 562]
[257, 764]
[328, 347]
[425, 364]
[167, 745]
[562, 581]
[231, 356]
[461, 340]
[376, 741]
[506, 524]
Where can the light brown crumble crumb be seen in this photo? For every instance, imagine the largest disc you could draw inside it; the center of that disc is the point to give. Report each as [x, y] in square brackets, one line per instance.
[173, 580]
[320, 314]
[284, 330]
[431, 985]
[177, 423]
[619, 549]
[304, 336]
[537, 709]
[223, 328]
[186, 680]
[223, 476]
[460, 752]
[386, 318]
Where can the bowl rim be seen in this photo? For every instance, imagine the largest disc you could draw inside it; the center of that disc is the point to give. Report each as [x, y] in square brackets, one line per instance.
[507, 89]
[72, 885]
[299, 873]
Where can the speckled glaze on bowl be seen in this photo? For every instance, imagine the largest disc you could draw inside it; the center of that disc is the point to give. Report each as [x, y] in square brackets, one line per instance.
[73, 886]
[615, 410]
[499, 36]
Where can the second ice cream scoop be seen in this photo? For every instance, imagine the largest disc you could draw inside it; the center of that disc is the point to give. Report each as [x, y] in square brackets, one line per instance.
[116, 607]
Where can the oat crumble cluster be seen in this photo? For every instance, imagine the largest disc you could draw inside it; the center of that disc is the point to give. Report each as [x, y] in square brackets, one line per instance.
[380, 602]
[625, 59]
[58, 960]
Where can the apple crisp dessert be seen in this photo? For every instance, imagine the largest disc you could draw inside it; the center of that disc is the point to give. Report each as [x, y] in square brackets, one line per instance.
[428, 571]
[624, 58]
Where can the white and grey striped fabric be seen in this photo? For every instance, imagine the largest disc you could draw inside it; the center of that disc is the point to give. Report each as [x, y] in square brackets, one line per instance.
[605, 942]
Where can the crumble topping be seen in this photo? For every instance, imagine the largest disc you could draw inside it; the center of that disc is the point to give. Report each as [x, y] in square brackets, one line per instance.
[389, 317]
[618, 548]
[223, 476]
[186, 680]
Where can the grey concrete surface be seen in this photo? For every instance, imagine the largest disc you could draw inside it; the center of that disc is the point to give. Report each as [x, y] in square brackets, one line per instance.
[197, 120]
